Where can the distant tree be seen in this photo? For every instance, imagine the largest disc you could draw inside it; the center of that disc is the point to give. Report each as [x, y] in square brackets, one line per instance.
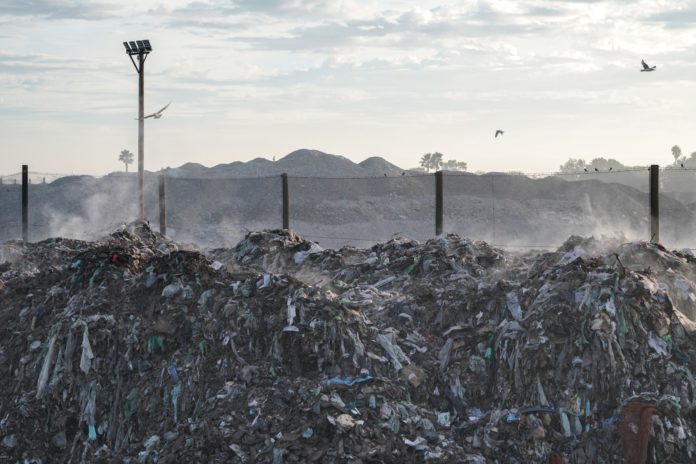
[603, 164]
[126, 157]
[431, 161]
[579, 165]
[676, 152]
[689, 161]
[425, 161]
[573, 165]
[454, 165]
[436, 161]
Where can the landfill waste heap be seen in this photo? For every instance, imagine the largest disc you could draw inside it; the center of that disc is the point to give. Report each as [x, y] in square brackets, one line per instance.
[133, 350]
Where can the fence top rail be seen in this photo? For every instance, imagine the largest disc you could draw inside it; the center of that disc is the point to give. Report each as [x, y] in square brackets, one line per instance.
[677, 169]
[406, 174]
[421, 175]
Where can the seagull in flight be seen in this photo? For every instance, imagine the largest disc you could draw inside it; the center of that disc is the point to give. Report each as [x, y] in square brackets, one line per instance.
[157, 114]
[498, 132]
[647, 68]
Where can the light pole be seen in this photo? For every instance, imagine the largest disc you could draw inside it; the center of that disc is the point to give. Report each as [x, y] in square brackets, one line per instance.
[141, 48]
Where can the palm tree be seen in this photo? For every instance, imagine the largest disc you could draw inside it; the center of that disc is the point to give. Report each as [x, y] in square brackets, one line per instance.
[676, 152]
[126, 157]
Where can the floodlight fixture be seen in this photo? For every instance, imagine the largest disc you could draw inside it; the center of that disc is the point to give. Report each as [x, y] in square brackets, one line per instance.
[138, 47]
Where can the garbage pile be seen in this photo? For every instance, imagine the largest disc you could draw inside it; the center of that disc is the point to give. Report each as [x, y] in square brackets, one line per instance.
[133, 350]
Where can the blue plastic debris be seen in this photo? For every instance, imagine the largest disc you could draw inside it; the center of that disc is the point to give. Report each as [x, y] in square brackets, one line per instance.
[609, 422]
[172, 372]
[348, 381]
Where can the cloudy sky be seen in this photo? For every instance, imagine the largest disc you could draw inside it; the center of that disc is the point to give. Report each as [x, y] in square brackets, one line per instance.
[250, 78]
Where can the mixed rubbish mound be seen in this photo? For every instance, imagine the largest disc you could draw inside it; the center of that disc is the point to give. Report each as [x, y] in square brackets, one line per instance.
[134, 350]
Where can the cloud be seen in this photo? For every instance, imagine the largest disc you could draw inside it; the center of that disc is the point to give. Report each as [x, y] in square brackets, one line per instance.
[545, 11]
[346, 9]
[411, 29]
[267, 8]
[35, 64]
[675, 19]
[59, 9]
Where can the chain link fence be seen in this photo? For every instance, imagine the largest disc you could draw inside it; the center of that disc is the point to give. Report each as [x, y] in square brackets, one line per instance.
[512, 210]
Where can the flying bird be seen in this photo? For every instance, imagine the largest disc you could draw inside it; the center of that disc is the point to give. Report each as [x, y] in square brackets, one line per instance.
[157, 114]
[647, 68]
[611, 169]
[498, 132]
[596, 170]
[682, 164]
[586, 170]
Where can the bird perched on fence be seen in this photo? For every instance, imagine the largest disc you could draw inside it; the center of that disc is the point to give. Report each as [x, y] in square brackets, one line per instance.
[498, 132]
[647, 68]
[157, 114]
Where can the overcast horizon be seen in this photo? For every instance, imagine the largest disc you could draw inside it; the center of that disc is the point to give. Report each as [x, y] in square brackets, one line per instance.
[395, 79]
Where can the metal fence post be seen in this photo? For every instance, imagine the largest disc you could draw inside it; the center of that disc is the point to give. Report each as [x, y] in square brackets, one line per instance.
[162, 205]
[25, 203]
[286, 202]
[654, 203]
[438, 202]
